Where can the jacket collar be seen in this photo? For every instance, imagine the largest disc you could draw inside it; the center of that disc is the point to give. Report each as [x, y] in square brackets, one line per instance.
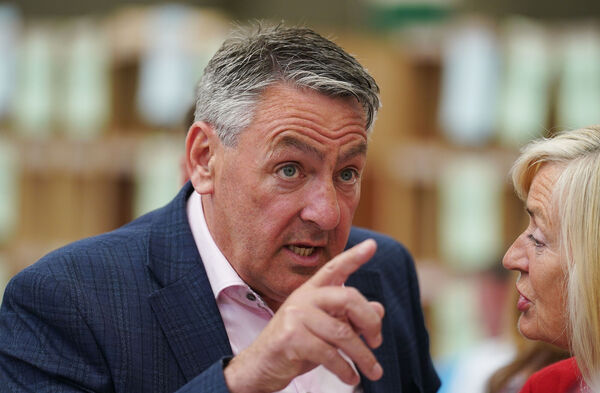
[184, 305]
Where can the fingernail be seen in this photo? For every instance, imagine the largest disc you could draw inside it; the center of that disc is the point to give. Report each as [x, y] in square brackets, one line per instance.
[365, 245]
[377, 371]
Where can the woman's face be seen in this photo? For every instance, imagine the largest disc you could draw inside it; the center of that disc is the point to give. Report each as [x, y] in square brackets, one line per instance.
[536, 256]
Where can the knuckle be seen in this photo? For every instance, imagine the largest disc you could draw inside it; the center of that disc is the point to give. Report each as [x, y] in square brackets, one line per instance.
[292, 354]
[331, 266]
[288, 333]
[351, 298]
[289, 310]
[343, 331]
[330, 355]
[291, 314]
[353, 295]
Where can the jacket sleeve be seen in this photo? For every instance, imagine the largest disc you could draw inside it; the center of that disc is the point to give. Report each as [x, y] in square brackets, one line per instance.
[430, 381]
[211, 380]
[47, 346]
[403, 306]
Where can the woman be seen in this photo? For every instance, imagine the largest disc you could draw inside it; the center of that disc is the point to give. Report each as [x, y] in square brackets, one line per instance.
[558, 256]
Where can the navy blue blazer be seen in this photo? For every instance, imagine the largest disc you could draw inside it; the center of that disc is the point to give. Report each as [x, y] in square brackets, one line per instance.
[132, 311]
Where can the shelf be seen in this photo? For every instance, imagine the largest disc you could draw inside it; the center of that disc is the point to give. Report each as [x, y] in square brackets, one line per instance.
[420, 163]
[111, 155]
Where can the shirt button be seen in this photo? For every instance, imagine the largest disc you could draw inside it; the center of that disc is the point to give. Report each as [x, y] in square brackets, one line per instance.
[250, 296]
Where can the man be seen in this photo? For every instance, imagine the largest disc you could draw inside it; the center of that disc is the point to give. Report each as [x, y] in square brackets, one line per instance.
[240, 284]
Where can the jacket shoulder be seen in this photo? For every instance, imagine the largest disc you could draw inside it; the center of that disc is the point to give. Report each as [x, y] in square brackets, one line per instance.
[130, 239]
[386, 245]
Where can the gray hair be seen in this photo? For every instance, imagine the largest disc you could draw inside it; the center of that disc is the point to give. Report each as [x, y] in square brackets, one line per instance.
[256, 58]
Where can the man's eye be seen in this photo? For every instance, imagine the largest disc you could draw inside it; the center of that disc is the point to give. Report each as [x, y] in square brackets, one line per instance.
[289, 171]
[349, 175]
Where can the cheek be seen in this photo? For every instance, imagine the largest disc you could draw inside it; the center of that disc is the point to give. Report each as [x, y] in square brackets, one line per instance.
[348, 205]
[545, 285]
[550, 289]
[274, 213]
[243, 190]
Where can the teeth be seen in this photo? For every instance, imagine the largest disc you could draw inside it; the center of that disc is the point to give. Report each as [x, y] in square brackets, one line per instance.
[302, 251]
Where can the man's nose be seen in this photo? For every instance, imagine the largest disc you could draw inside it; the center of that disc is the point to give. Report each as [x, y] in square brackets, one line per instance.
[516, 256]
[322, 206]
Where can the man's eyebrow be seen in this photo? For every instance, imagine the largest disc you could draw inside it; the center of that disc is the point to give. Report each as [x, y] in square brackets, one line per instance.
[296, 143]
[356, 150]
[290, 141]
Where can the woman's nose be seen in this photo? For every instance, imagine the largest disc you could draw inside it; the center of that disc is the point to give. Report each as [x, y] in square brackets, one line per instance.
[516, 256]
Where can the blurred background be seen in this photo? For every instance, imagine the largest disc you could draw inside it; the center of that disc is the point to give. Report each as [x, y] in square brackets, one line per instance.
[95, 102]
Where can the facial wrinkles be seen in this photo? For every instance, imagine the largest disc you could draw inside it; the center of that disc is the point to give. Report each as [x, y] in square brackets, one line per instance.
[286, 142]
[307, 114]
[540, 209]
[289, 140]
[356, 150]
[540, 202]
[321, 135]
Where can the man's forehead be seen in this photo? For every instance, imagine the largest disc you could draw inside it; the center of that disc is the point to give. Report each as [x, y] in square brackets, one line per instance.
[281, 96]
[292, 142]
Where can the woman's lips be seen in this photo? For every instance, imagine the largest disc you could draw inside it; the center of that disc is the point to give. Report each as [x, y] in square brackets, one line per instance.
[523, 303]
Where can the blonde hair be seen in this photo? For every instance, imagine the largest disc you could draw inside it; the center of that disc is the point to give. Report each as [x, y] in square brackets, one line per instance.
[577, 195]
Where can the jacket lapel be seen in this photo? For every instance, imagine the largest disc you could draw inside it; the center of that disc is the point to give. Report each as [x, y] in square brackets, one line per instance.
[368, 282]
[184, 306]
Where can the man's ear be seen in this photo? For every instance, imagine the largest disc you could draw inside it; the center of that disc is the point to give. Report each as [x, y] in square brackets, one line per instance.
[200, 149]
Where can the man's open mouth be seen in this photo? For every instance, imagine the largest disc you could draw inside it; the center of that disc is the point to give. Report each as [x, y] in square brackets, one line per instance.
[301, 250]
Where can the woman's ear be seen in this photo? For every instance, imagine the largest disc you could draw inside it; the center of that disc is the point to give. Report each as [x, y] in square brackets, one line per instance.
[200, 149]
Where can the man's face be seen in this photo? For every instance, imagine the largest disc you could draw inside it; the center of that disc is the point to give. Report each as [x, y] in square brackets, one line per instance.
[284, 197]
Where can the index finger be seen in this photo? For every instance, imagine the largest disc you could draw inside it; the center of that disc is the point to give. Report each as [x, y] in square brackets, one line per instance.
[337, 271]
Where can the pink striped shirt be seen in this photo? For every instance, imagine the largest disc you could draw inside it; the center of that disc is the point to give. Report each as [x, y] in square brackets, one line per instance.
[243, 311]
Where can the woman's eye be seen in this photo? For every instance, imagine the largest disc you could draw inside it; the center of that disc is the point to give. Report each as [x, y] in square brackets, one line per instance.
[289, 171]
[349, 175]
[535, 241]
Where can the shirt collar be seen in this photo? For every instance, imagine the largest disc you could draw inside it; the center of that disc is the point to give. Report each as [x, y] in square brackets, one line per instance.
[221, 274]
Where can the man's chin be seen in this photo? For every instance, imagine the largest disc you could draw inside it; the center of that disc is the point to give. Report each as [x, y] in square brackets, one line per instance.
[305, 272]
